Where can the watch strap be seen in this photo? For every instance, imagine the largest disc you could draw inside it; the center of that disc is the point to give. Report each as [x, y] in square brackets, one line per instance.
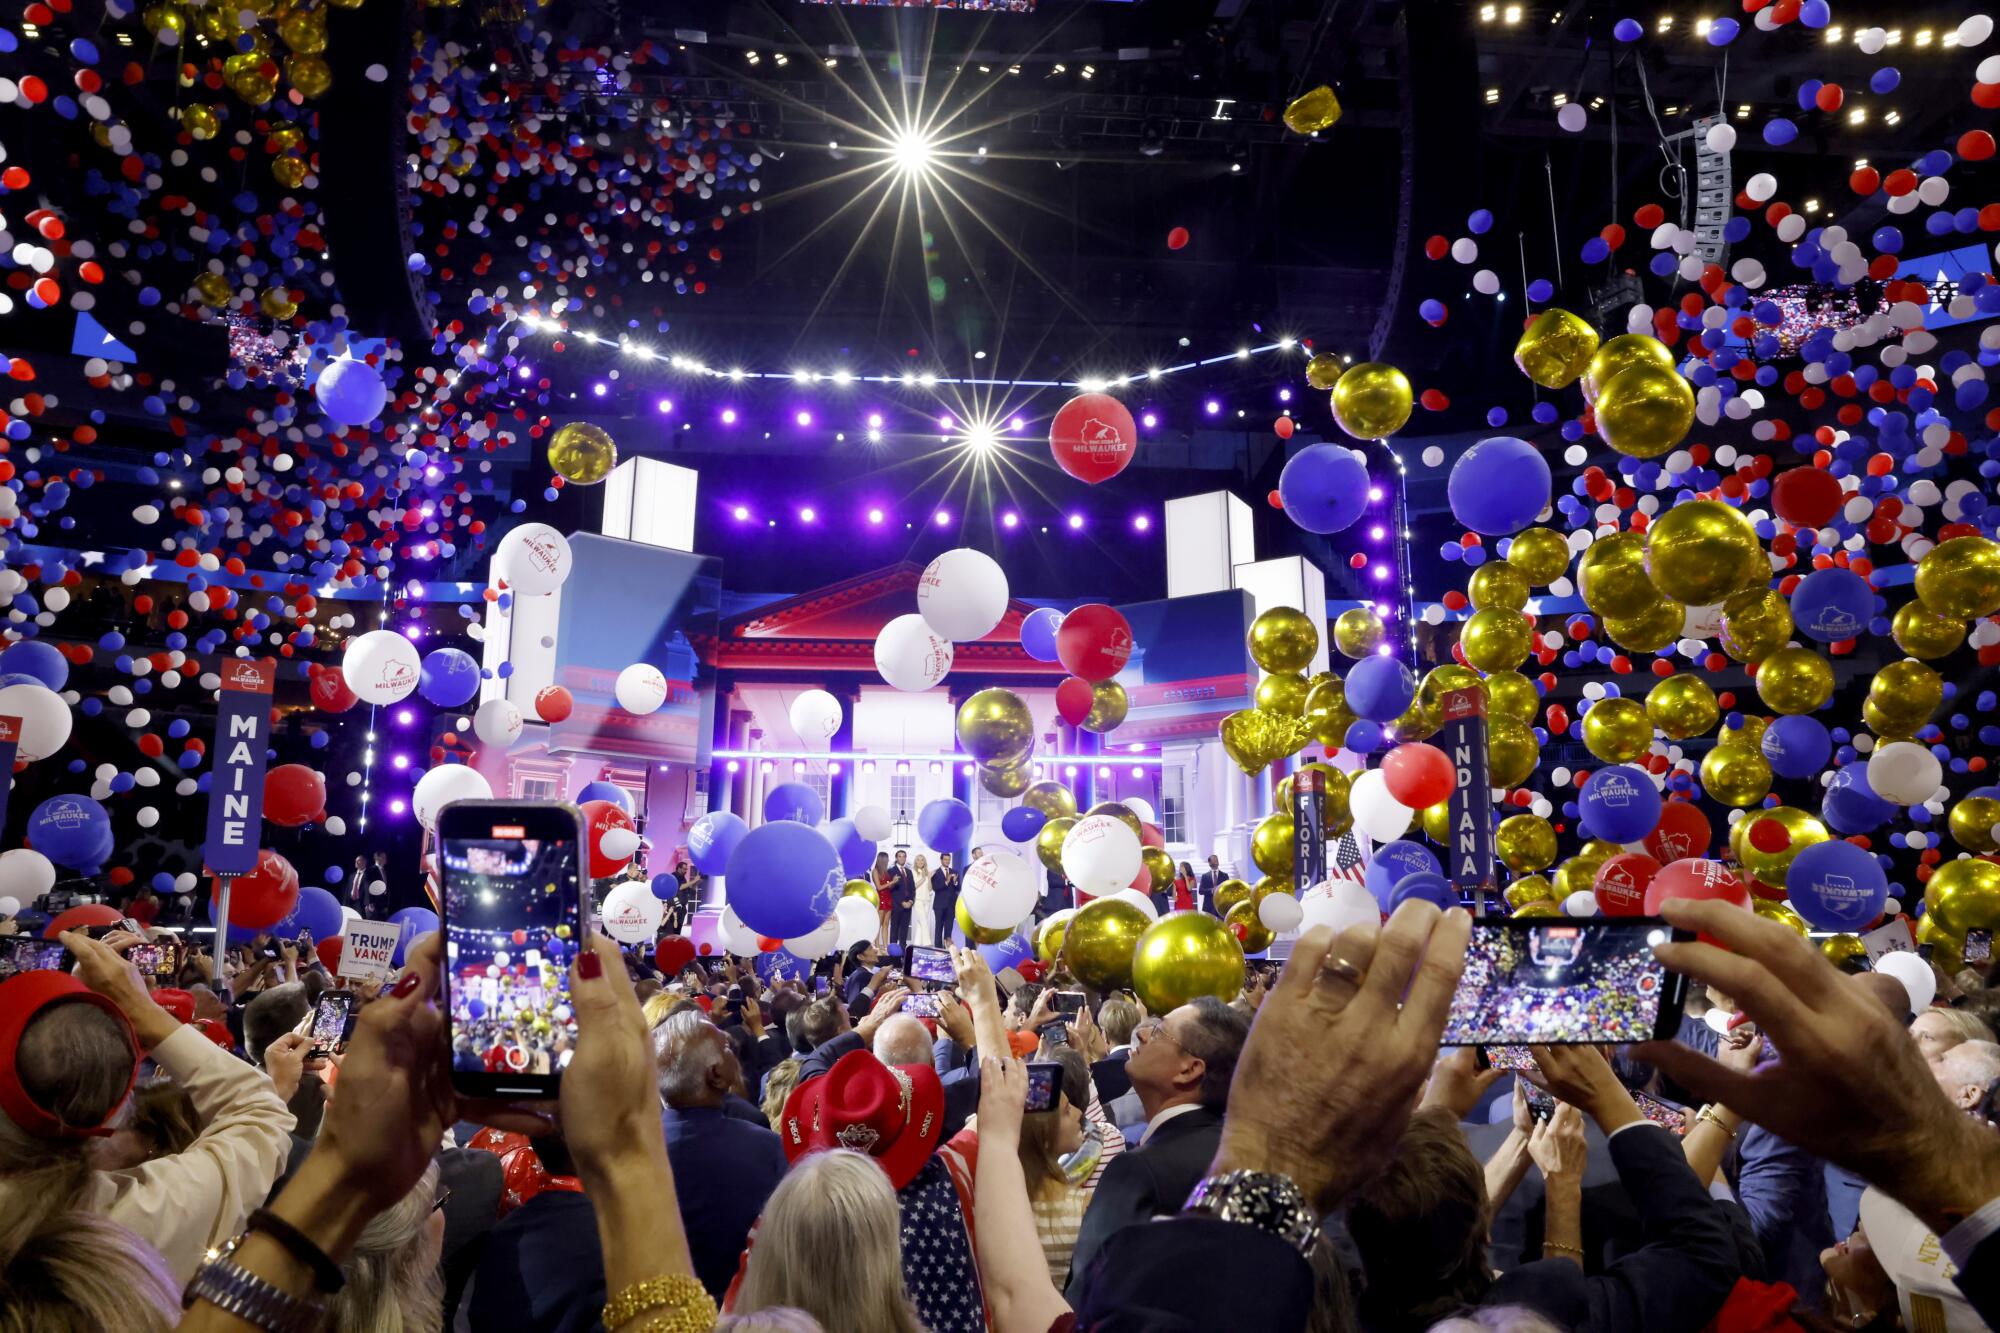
[239, 1292]
[326, 1273]
[1262, 1199]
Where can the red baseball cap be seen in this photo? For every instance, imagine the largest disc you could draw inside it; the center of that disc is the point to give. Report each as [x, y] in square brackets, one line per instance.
[22, 997]
[893, 1113]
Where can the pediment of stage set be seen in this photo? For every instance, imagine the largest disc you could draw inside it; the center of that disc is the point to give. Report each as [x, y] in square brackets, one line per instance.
[834, 628]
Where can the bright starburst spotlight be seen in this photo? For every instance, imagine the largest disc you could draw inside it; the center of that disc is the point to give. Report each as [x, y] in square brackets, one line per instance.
[912, 150]
[980, 437]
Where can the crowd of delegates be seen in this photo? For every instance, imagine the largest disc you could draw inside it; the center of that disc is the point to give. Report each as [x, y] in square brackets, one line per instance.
[835, 1155]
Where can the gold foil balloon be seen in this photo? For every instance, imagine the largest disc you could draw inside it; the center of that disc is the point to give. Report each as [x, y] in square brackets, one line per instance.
[213, 290]
[1004, 780]
[582, 453]
[1960, 578]
[1627, 349]
[1334, 786]
[1440, 681]
[1700, 551]
[1049, 935]
[164, 18]
[1231, 892]
[1271, 844]
[1887, 726]
[1255, 737]
[1802, 830]
[1283, 639]
[1735, 775]
[200, 121]
[1923, 633]
[1964, 895]
[1414, 725]
[1617, 730]
[1243, 922]
[1907, 691]
[1580, 871]
[1755, 623]
[1525, 843]
[1511, 694]
[1840, 949]
[1436, 820]
[311, 75]
[1100, 939]
[277, 303]
[1611, 576]
[1121, 812]
[1326, 710]
[1532, 910]
[1644, 411]
[1773, 910]
[1283, 693]
[1682, 706]
[1750, 735]
[1048, 843]
[1108, 706]
[995, 727]
[1972, 821]
[1184, 956]
[1371, 401]
[1530, 889]
[1159, 867]
[1311, 113]
[861, 888]
[1511, 751]
[977, 934]
[1357, 632]
[1555, 347]
[1323, 370]
[1052, 799]
[1649, 631]
[304, 30]
[1794, 680]
[289, 171]
[1496, 639]
[1541, 554]
[1497, 584]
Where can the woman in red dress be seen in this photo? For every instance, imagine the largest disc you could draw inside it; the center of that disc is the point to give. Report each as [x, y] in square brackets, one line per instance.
[884, 879]
[1184, 889]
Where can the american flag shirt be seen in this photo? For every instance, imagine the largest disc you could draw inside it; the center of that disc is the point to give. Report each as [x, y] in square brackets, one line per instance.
[938, 1267]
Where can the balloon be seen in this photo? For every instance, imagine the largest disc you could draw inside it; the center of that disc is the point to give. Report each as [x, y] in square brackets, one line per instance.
[606, 791]
[1324, 488]
[73, 831]
[1051, 798]
[1794, 680]
[1617, 731]
[1004, 780]
[449, 677]
[1271, 845]
[1901, 698]
[80, 917]
[1511, 751]
[1283, 640]
[1611, 577]
[1379, 689]
[1093, 437]
[1100, 854]
[946, 826]
[1344, 904]
[995, 727]
[1836, 886]
[444, 784]
[1496, 639]
[1280, 912]
[1755, 624]
[1695, 879]
[640, 688]
[631, 914]
[1357, 632]
[1851, 805]
[1620, 804]
[1832, 604]
[1497, 584]
[672, 954]
[1627, 349]
[262, 898]
[1308, 113]
[1426, 887]
[1326, 713]
[962, 595]
[603, 823]
[817, 942]
[1022, 823]
[1924, 634]
[1700, 551]
[1964, 895]
[329, 690]
[1499, 486]
[1378, 814]
[873, 823]
[45, 719]
[533, 559]
[1048, 843]
[415, 923]
[784, 879]
[1525, 843]
[1644, 410]
[1540, 554]
[1681, 832]
[1392, 862]
[665, 886]
[497, 723]
[1904, 772]
[1796, 746]
[25, 874]
[909, 655]
[1370, 401]
[1650, 630]
[380, 666]
[1621, 883]
[999, 889]
[293, 795]
[582, 453]
[1972, 821]
[1095, 642]
[793, 800]
[1915, 974]
[713, 839]
[1680, 706]
[1038, 633]
[1531, 889]
[1098, 942]
[1771, 840]
[1231, 892]
[32, 657]
[1735, 775]
[1418, 775]
[862, 888]
[1555, 347]
[1108, 707]
[1960, 578]
[858, 919]
[1284, 693]
[351, 392]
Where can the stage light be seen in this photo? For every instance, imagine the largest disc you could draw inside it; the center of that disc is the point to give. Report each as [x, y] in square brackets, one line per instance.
[728, 416]
[1010, 520]
[1213, 408]
[527, 372]
[1375, 533]
[980, 437]
[666, 406]
[1075, 521]
[1141, 522]
[1149, 421]
[741, 513]
[808, 514]
[912, 150]
[1017, 424]
[399, 761]
[1069, 770]
[874, 516]
[732, 766]
[1381, 572]
[1138, 772]
[945, 422]
[803, 417]
[1284, 395]
[1381, 650]
[874, 421]
[405, 716]
[941, 518]
[397, 807]
[1374, 492]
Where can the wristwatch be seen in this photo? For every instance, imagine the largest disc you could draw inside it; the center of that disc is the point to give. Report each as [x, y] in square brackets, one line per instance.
[1262, 1199]
[237, 1291]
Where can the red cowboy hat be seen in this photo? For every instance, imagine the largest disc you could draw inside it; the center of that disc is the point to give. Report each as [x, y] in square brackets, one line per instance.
[893, 1113]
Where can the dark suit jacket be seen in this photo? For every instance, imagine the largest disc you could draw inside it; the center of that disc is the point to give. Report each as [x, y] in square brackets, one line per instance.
[906, 888]
[1979, 1281]
[475, 1179]
[1109, 1077]
[1142, 1184]
[1146, 1279]
[543, 1270]
[724, 1170]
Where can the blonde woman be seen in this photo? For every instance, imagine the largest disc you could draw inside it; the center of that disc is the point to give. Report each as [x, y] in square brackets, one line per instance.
[394, 1284]
[923, 918]
[835, 1212]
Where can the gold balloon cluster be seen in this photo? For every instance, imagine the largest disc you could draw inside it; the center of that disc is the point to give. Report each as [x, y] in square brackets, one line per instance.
[1972, 821]
[1283, 639]
[1184, 956]
[997, 730]
[252, 70]
[1309, 114]
[1271, 844]
[1755, 623]
[1736, 772]
[1497, 585]
[1962, 896]
[1644, 410]
[1496, 638]
[1643, 407]
[1098, 942]
[1681, 706]
[1794, 680]
[1699, 552]
[1358, 631]
[1611, 577]
[581, 453]
[1617, 730]
[1049, 842]
[1923, 633]
[1257, 738]
[1555, 348]
[1326, 711]
[1371, 401]
[1525, 843]
[1622, 353]
[1541, 554]
[1960, 579]
[1901, 698]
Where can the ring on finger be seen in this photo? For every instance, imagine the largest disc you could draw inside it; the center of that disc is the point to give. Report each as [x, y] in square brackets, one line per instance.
[1343, 970]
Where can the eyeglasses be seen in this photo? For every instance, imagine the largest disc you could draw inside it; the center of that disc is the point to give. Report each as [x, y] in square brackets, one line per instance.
[443, 1198]
[1146, 1032]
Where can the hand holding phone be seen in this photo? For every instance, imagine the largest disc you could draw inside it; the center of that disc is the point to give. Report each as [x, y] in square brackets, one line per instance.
[928, 964]
[332, 1023]
[1069, 1002]
[925, 1006]
[1543, 982]
[1044, 1081]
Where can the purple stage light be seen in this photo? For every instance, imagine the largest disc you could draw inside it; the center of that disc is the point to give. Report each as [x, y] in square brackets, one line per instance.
[1138, 772]
[868, 766]
[400, 761]
[666, 406]
[1374, 492]
[1075, 521]
[874, 421]
[936, 767]
[1069, 770]
[527, 372]
[1213, 408]
[1141, 522]
[834, 768]
[803, 417]
[941, 518]
[405, 716]
[741, 513]
[1375, 533]
[945, 422]
[902, 765]
[798, 765]
[397, 806]
[1381, 650]
[600, 388]
[968, 770]
[874, 516]
[808, 514]
[732, 766]
[1017, 424]
[1284, 395]
[1381, 572]
[1149, 421]
[728, 416]
[1103, 772]
[1383, 609]
[1010, 520]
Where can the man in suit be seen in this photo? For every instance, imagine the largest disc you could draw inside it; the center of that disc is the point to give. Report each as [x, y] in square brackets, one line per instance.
[944, 898]
[1117, 1017]
[903, 898]
[1205, 887]
[1181, 1075]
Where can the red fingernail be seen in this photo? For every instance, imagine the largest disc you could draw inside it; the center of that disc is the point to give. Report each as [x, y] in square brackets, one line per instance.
[405, 986]
[589, 966]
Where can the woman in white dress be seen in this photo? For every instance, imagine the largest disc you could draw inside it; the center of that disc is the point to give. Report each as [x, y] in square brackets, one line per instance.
[923, 921]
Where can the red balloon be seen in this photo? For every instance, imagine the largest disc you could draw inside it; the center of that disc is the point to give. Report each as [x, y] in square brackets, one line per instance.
[329, 691]
[1151, 835]
[1177, 239]
[552, 703]
[1621, 883]
[1073, 700]
[1094, 642]
[519, 937]
[1695, 879]
[1418, 775]
[293, 795]
[264, 897]
[1093, 437]
[328, 950]
[767, 944]
[1682, 832]
[1284, 426]
[76, 918]
[1807, 497]
[599, 818]
[673, 953]
[1975, 145]
[1768, 835]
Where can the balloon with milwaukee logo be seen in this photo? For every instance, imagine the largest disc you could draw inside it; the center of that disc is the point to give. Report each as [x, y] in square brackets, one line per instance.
[380, 666]
[1620, 886]
[1094, 642]
[1394, 861]
[329, 690]
[1093, 437]
[1796, 746]
[963, 594]
[640, 689]
[449, 677]
[293, 795]
[444, 784]
[73, 831]
[602, 822]
[497, 722]
[1101, 855]
[631, 914]
[815, 715]
[1620, 804]
[1695, 879]
[1836, 886]
[910, 655]
[1832, 604]
[1682, 831]
[999, 890]
[784, 879]
[532, 559]
[713, 838]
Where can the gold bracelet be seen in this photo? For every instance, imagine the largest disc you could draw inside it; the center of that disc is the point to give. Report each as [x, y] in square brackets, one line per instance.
[1712, 1116]
[684, 1304]
[1566, 1249]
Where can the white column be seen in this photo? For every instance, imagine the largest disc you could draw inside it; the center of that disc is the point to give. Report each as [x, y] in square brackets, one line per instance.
[646, 500]
[1207, 537]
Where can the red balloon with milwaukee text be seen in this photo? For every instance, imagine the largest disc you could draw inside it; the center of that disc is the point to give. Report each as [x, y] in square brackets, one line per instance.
[1093, 437]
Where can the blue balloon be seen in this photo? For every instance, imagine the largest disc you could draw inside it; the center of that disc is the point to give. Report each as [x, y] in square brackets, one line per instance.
[712, 840]
[1832, 604]
[476, 1007]
[316, 911]
[1395, 860]
[1013, 951]
[350, 391]
[606, 791]
[1628, 30]
[1837, 886]
[1797, 746]
[1363, 737]
[856, 852]
[1324, 488]
[784, 879]
[1426, 886]
[415, 922]
[1850, 805]
[449, 678]
[946, 826]
[1499, 486]
[665, 886]
[1038, 633]
[1379, 688]
[32, 657]
[73, 831]
[1619, 804]
[793, 800]
[1022, 823]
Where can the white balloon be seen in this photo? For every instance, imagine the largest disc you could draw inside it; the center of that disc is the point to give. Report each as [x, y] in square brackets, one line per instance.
[619, 844]
[1581, 903]
[815, 716]
[1140, 901]
[631, 914]
[26, 874]
[1143, 808]
[963, 594]
[1377, 813]
[1101, 855]
[45, 719]
[1972, 32]
[1761, 186]
[910, 655]
[858, 921]
[380, 666]
[736, 937]
[1000, 889]
[335, 826]
[1721, 137]
[1904, 772]
[532, 559]
[444, 784]
[497, 723]
[640, 688]
[1573, 117]
[1344, 904]
[1914, 973]
[819, 941]
[1280, 912]
[872, 822]
[10, 907]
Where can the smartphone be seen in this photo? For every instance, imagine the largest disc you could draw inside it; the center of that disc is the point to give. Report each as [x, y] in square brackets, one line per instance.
[928, 964]
[1044, 1082]
[1545, 983]
[149, 959]
[24, 953]
[512, 919]
[821, 985]
[1978, 946]
[1068, 1002]
[1055, 1032]
[1661, 1113]
[924, 1006]
[1541, 1102]
[332, 1023]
